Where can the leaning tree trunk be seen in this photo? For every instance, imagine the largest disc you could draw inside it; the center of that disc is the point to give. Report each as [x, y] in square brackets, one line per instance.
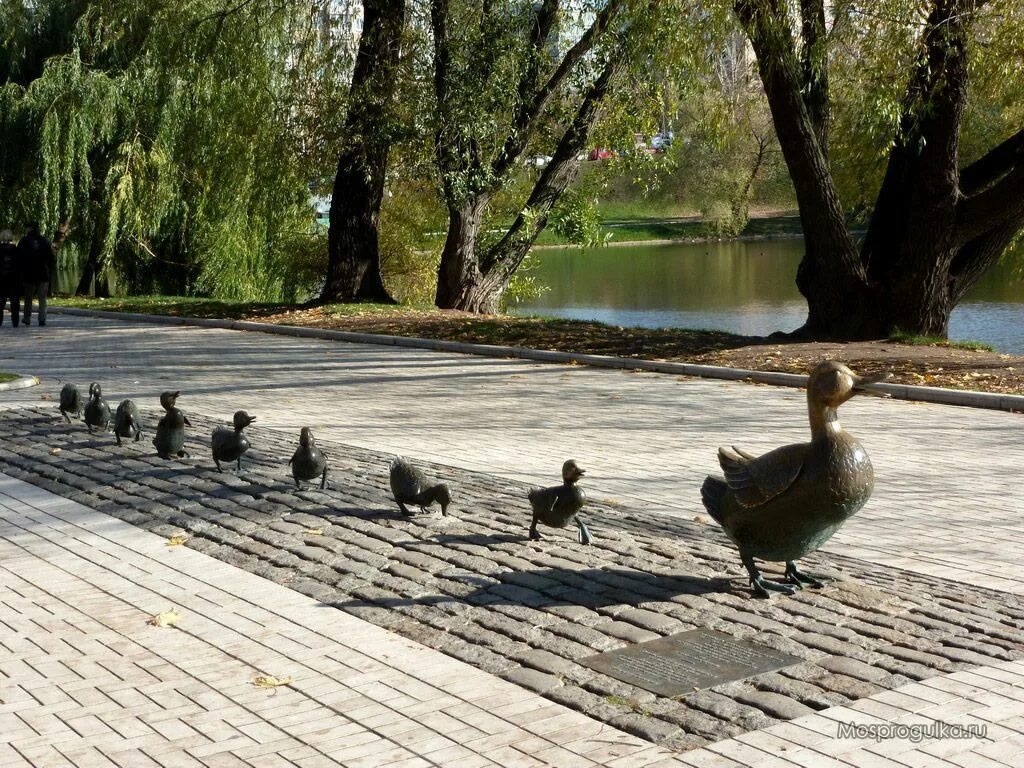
[353, 252]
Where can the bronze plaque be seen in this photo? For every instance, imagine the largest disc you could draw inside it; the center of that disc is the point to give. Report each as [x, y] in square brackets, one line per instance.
[680, 664]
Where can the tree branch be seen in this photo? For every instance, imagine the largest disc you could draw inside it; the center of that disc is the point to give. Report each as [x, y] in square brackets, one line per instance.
[814, 63]
[557, 175]
[999, 204]
[532, 107]
[993, 165]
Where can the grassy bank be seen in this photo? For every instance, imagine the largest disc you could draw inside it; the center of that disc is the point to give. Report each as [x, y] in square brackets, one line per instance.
[4, 377]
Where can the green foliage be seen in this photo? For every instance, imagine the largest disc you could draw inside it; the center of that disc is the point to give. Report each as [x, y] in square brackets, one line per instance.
[167, 134]
[408, 255]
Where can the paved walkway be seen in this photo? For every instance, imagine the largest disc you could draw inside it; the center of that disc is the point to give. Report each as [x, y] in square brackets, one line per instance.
[85, 681]
[946, 477]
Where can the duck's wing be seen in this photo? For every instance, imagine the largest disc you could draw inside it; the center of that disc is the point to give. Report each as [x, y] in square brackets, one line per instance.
[755, 480]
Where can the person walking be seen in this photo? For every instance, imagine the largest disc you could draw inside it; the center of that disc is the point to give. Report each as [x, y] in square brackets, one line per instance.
[35, 254]
[10, 277]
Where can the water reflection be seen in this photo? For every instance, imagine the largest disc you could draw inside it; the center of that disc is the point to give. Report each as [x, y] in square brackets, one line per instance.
[743, 287]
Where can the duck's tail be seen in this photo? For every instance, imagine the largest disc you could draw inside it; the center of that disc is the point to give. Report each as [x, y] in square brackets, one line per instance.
[712, 493]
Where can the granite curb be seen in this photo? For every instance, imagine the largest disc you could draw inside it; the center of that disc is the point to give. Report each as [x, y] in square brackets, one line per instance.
[22, 382]
[935, 395]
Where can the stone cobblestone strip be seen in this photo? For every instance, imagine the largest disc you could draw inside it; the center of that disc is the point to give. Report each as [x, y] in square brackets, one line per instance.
[473, 586]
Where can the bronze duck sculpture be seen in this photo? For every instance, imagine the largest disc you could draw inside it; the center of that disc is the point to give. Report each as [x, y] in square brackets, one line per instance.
[96, 412]
[308, 462]
[229, 443]
[126, 421]
[170, 431]
[559, 505]
[70, 401]
[788, 502]
[412, 486]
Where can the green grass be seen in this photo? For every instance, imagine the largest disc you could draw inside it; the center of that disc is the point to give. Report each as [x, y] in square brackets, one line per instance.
[917, 340]
[7, 377]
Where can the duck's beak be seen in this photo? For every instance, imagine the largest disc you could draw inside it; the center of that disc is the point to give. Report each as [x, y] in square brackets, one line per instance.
[868, 385]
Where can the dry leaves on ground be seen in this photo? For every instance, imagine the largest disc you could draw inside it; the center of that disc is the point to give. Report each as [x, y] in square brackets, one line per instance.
[166, 619]
[269, 681]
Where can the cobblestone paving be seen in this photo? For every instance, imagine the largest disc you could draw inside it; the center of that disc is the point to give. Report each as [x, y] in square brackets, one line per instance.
[472, 586]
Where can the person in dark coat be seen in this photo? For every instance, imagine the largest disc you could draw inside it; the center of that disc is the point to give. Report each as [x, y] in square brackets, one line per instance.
[35, 254]
[10, 277]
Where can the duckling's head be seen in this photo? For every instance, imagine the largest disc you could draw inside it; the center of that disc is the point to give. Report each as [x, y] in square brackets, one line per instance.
[95, 391]
[832, 383]
[306, 437]
[571, 471]
[168, 399]
[243, 420]
[442, 496]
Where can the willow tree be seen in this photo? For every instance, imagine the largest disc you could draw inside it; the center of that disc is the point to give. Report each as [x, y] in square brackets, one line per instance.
[938, 222]
[516, 78]
[164, 134]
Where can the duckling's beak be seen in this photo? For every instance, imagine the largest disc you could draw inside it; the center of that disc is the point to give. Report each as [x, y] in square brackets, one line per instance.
[868, 385]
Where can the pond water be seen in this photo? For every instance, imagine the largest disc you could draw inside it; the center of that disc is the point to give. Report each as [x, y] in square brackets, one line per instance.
[746, 287]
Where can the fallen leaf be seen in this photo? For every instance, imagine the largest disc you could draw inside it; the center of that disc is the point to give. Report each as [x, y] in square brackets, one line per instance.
[269, 681]
[177, 541]
[54, 451]
[314, 531]
[46, 397]
[166, 619]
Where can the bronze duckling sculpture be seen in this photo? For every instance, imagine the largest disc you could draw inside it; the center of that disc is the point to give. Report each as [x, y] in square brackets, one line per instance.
[170, 431]
[230, 443]
[70, 401]
[411, 486]
[559, 505]
[788, 502]
[96, 412]
[308, 462]
[126, 421]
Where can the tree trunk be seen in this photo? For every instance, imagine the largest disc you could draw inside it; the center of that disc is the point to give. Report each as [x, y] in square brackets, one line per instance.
[930, 237]
[460, 283]
[91, 282]
[353, 253]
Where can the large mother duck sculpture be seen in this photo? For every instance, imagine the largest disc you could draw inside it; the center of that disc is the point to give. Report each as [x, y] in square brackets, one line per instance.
[787, 503]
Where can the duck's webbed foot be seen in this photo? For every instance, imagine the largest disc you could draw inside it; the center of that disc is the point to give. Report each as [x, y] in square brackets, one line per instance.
[763, 587]
[118, 436]
[405, 509]
[799, 578]
[584, 533]
[217, 462]
[534, 533]
[323, 480]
